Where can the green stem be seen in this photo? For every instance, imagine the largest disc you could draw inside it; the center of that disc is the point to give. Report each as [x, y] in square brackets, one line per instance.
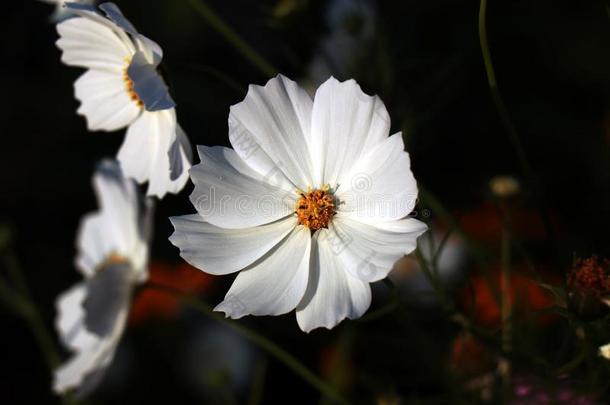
[261, 341]
[506, 310]
[221, 76]
[509, 127]
[497, 97]
[446, 302]
[480, 256]
[439, 250]
[19, 299]
[258, 382]
[383, 311]
[339, 363]
[233, 38]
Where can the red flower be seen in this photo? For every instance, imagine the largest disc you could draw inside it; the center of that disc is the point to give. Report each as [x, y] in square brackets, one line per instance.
[468, 356]
[525, 297]
[150, 303]
[590, 277]
[485, 224]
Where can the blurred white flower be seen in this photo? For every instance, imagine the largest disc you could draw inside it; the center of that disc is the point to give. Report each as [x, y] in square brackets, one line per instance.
[352, 25]
[113, 257]
[62, 12]
[604, 351]
[122, 88]
[446, 260]
[311, 204]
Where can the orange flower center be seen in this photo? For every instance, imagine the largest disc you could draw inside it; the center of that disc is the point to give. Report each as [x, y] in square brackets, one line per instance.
[111, 260]
[129, 86]
[315, 208]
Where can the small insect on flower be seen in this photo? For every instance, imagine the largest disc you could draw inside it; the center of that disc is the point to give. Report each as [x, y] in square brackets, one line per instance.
[113, 257]
[311, 204]
[122, 88]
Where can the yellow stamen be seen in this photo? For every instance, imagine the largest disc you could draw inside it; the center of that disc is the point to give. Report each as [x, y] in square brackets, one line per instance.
[316, 208]
[129, 86]
[111, 260]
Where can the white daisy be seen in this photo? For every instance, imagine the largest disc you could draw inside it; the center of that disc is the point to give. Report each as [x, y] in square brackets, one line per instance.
[113, 257]
[311, 204]
[122, 88]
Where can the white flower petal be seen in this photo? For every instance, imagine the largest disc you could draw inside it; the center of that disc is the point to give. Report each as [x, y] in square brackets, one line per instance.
[116, 229]
[91, 42]
[369, 251]
[148, 84]
[604, 351]
[92, 249]
[222, 251]
[70, 375]
[105, 102]
[332, 294]
[70, 318]
[61, 12]
[275, 284]
[145, 152]
[346, 123]
[91, 322]
[86, 368]
[115, 15]
[180, 152]
[380, 185]
[269, 131]
[230, 194]
[162, 180]
[108, 295]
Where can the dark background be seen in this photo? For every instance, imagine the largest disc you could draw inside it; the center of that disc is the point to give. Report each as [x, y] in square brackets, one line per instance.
[552, 61]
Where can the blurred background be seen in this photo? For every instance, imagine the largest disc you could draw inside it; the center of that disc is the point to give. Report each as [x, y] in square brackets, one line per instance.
[534, 203]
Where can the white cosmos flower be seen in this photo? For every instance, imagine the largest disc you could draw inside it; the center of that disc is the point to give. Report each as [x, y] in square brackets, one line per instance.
[311, 203]
[113, 257]
[122, 88]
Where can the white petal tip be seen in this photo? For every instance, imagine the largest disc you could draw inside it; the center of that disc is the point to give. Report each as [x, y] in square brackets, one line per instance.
[232, 308]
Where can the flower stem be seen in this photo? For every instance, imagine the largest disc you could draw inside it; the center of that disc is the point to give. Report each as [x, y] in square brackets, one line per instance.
[509, 127]
[20, 301]
[233, 38]
[497, 97]
[481, 257]
[506, 309]
[436, 285]
[261, 341]
[258, 383]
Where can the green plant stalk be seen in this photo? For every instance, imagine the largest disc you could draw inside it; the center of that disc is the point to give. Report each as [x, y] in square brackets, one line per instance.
[258, 384]
[233, 38]
[221, 76]
[497, 97]
[506, 309]
[440, 292]
[259, 340]
[508, 125]
[20, 301]
[339, 365]
[479, 255]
